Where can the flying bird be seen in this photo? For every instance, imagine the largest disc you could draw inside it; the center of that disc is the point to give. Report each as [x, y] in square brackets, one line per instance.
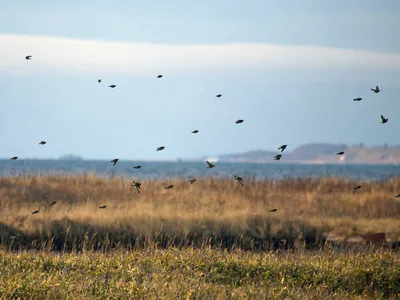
[159, 76]
[42, 142]
[282, 148]
[192, 181]
[169, 187]
[28, 57]
[195, 131]
[103, 207]
[136, 185]
[218, 96]
[384, 120]
[137, 167]
[99, 80]
[239, 121]
[114, 161]
[273, 210]
[239, 179]
[14, 158]
[210, 165]
[357, 99]
[35, 212]
[357, 187]
[160, 148]
[376, 90]
[277, 157]
[340, 153]
[112, 86]
[52, 203]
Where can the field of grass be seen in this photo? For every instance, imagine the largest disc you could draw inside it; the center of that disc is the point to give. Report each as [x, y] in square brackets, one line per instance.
[200, 274]
[216, 212]
[200, 241]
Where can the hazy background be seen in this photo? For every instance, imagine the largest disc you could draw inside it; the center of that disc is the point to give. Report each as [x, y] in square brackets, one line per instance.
[290, 69]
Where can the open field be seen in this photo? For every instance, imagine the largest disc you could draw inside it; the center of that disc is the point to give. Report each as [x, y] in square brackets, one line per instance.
[189, 241]
[200, 274]
[210, 212]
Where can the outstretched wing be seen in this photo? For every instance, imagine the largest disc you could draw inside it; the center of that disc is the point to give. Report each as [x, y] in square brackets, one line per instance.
[383, 118]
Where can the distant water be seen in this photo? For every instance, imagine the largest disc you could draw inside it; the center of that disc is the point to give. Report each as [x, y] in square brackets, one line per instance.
[160, 170]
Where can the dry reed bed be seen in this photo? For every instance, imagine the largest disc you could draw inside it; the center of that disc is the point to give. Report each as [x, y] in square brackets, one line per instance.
[217, 211]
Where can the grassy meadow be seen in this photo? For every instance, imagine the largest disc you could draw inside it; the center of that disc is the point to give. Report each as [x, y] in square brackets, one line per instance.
[213, 239]
[200, 274]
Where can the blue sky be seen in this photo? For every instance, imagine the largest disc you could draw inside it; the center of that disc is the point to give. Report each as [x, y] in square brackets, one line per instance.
[290, 69]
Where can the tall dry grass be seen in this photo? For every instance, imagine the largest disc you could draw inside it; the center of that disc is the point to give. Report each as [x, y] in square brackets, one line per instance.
[211, 211]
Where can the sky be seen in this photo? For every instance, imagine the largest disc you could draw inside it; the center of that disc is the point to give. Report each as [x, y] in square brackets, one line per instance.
[290, 69]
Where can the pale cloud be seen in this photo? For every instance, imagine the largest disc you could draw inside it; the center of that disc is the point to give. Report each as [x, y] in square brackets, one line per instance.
[58, 54]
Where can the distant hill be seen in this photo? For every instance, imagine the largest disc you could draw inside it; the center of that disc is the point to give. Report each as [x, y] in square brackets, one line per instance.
[321, 153]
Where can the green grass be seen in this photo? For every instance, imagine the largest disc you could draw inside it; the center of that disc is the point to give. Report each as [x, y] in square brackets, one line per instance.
[200, 274]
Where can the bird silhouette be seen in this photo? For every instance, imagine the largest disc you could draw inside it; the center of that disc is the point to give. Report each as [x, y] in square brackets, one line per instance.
[357, 99]
[114, 161]
[340, 153]
[99, 80]
[136, 185]
[238, 179]
[169, 187]
[42, 142]
[35, 212]
[137, 167]
[376, 90]
[282, 148]
[277, 157]
[28, 57]
[357, 187]
[112, 86]
[195, 131]
[209, 165]
[160, 148]
[159, 76]
[14, 158]
[218, 96]
[52, 203]
[273, 210]
[239, 121]
[192, 181]
[103, 207]
[384, 120]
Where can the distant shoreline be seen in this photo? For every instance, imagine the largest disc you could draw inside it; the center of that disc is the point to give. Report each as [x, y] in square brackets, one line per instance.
[191, 161]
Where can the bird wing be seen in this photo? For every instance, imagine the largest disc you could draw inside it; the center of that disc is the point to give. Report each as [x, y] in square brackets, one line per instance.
[383, 118]
[208, 163]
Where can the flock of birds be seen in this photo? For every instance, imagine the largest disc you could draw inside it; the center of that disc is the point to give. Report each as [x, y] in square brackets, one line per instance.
[136, 185]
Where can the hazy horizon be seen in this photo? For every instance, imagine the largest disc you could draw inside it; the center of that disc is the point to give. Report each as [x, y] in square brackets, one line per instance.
[290, 70]
[289, 150]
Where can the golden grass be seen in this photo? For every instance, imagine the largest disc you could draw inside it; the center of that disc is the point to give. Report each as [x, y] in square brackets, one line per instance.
[216, 211]
[200, 274]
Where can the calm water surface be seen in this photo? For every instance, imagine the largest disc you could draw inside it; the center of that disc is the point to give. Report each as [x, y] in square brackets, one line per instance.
[159, 170]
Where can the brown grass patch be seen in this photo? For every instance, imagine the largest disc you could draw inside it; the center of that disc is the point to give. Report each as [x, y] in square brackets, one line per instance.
[211, 211]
